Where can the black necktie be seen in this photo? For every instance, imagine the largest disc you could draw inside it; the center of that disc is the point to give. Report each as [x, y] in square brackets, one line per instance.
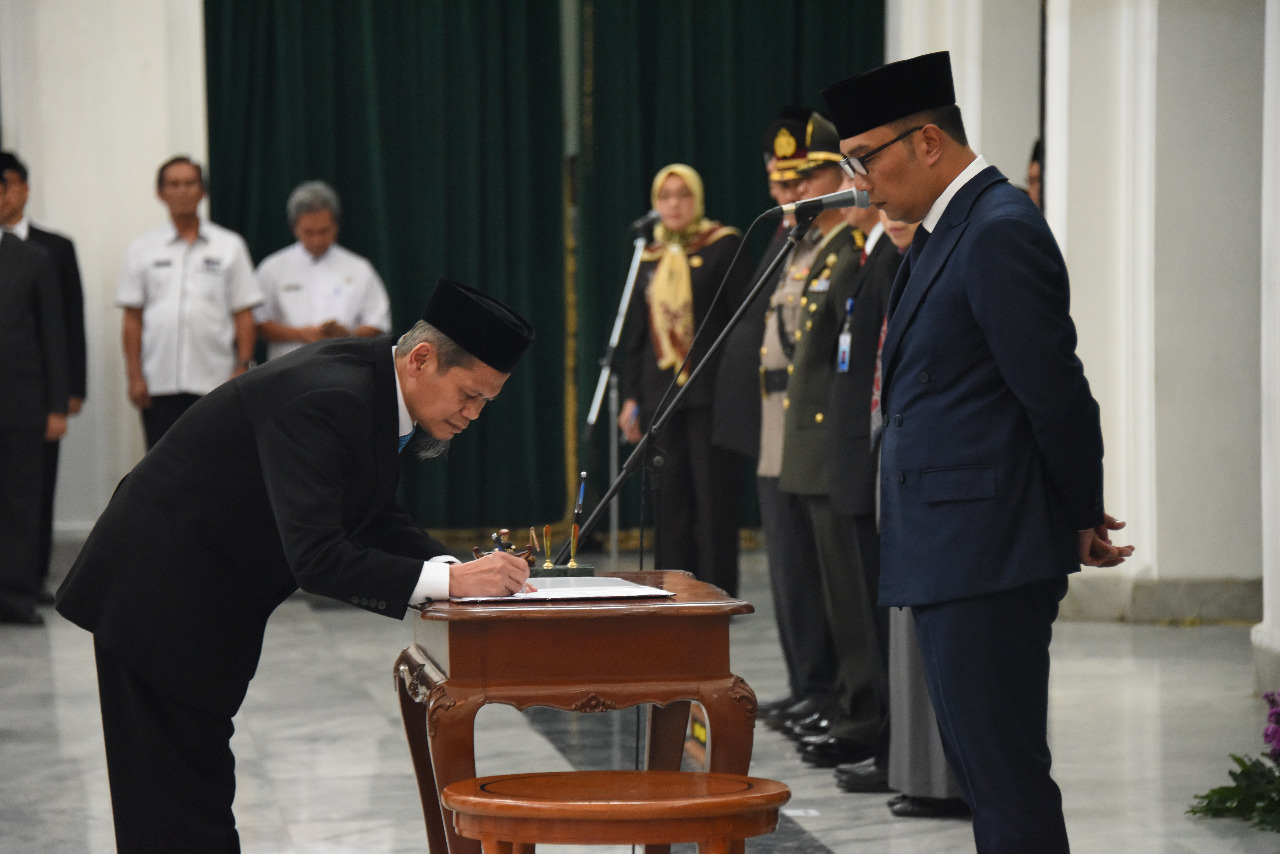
[904, 274]
[918, 242]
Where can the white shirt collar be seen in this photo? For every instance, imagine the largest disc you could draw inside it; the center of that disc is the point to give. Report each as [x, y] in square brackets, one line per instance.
[406, 420]
[22, 228]
[201, 233]
[870, 244]
[930, 222]
[313, 259]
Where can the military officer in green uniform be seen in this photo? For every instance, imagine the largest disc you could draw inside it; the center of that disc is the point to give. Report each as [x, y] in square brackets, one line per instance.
[820, 330]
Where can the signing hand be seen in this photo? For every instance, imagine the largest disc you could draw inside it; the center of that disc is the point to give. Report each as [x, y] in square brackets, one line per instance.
[495, 574]
[1095, 544]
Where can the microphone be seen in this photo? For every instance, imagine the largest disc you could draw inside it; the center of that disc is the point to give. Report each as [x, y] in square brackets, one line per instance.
[645, 221]
[844, 199]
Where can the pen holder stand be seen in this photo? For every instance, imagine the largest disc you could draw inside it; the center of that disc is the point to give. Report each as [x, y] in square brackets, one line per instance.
[561, 570]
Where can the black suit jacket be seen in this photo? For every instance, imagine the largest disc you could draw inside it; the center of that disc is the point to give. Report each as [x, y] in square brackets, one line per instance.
[62, 252]
[33, 351]
[851, 475]
[281, 478]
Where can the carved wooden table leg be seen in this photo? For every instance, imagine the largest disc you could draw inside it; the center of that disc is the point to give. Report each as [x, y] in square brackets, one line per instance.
[731, 714]
[413, 684]
[451, 728]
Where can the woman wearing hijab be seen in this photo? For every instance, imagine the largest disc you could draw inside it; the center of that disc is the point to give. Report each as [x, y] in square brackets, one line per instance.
[697, 492]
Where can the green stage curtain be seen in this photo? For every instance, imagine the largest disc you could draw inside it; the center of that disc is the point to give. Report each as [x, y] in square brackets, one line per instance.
[694, 82]
[440, 126]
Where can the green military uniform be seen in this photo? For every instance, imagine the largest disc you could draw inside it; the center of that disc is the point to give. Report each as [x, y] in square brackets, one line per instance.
[861, 707]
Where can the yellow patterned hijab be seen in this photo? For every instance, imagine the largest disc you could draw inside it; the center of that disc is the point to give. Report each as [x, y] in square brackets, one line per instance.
[670, 291]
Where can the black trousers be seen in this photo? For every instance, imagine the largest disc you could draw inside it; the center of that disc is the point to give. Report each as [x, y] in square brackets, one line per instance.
[48, 487]
[21, 478]
[164, 410]
[170, 767]
[697, 492]
[796, 582]
[849, 559]
[986, 662]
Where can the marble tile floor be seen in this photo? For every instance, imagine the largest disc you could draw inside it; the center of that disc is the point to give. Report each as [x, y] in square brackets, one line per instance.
[1143, 718]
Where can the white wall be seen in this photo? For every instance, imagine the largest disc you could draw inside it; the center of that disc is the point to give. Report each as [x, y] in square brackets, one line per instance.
[94, 97]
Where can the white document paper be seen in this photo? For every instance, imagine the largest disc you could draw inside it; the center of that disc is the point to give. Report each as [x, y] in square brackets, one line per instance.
[577, 587]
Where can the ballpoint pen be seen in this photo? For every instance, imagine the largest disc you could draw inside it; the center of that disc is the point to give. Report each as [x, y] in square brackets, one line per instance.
[577, 516]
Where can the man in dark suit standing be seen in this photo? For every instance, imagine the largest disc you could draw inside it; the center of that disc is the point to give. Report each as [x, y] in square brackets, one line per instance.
[991, 486]
[33, 386]
[280, 479]
[62, 252]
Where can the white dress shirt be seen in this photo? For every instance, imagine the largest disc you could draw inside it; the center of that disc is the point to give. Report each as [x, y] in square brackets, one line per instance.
[188, 293]
[301, 290]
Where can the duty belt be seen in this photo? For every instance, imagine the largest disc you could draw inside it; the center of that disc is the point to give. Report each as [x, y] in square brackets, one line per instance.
[773, 380]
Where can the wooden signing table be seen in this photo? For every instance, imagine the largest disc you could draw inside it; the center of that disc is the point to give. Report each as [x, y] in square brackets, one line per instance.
[582, 656]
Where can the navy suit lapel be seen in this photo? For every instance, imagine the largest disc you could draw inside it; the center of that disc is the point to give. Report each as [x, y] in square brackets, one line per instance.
[914, 280]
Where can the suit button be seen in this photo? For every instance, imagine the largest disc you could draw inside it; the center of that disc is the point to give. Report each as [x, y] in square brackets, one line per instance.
[382, 606]
[817, 418]
[897, 420]
[924, 376]
[355, 600]
[364, 603]
[902, 478]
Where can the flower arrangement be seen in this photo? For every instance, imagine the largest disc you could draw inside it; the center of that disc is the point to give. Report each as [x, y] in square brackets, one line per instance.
[1255, 791]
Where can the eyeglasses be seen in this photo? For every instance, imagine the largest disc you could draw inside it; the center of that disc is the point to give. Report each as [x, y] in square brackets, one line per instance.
[857, 166]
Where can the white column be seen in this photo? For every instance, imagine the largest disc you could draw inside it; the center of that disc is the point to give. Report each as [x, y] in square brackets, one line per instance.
[1266, 635]
[1208, 156]
[95, 96]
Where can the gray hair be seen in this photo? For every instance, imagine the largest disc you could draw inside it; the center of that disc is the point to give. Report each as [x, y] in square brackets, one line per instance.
[448, 353]
[311, 196]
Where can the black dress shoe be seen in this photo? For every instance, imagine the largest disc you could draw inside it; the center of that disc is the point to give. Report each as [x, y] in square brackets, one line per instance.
[778, 718]
[910, 807]
[833, 751]
[865, 776]
[814, 726]
[778, 705]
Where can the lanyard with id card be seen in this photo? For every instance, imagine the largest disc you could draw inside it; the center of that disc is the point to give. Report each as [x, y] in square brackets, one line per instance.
[845, 342]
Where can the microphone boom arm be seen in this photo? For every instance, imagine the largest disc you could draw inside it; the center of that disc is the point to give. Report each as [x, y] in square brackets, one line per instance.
[804, 219]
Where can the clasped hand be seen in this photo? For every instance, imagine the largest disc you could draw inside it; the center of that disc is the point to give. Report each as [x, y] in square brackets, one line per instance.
[1096, 548]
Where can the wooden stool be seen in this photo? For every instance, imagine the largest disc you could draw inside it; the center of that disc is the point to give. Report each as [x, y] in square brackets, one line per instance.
[510, 813]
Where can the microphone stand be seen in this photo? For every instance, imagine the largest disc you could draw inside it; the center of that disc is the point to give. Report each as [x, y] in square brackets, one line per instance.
[606, 361]
[804, 219]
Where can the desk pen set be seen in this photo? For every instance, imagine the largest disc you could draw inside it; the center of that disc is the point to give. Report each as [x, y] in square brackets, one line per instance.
[548, 568]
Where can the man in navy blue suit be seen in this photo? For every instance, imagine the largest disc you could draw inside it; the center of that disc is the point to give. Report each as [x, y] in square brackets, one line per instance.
[991, 485]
